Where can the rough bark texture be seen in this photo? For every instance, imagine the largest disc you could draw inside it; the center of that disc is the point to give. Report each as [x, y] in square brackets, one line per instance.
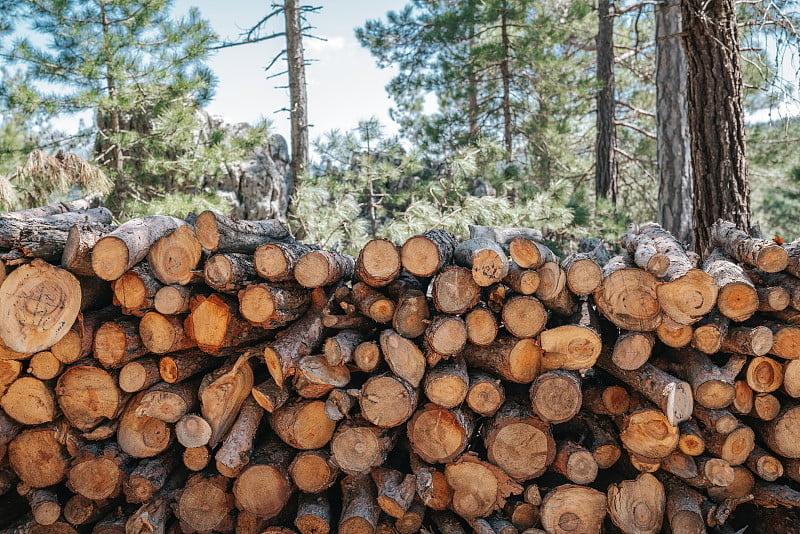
[606, 169]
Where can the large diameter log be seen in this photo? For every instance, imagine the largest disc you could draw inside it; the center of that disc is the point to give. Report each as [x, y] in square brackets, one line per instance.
[98, 471]
[424, 255]
[573, 346]
[38, 305]
[782, 434]
[264, 486]
[584, 275]
[378, 263]
[175, 257]
[454, 290]
[627, 297]
[570, 508]
[734, 447]
[515, 360]
[518, 443]
[205, 502]
[29, 401]
[117, 343]
[117, 252]
[39, 457]
[764, 254]
[439, 435]
[46, 237]
[387, 401]
[88, 395]
[637, 506]
[488, 262]
[303, 424]
[648, 433]
[479, 488]
[764, 375]
[360, 510]
[737, 298]
[224, 234]
[357, 446]
[142, 437]
[556, 396]
[524, 316]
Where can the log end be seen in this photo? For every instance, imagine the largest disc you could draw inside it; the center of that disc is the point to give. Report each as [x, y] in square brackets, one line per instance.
[110, 258]
[420, 256]
[206, 230]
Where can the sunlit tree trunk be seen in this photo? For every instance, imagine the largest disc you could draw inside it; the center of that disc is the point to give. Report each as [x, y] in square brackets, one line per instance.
[297, 88]
[605, 161]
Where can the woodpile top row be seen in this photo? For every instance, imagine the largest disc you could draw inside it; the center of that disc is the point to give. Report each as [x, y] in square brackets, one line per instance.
[217, 375]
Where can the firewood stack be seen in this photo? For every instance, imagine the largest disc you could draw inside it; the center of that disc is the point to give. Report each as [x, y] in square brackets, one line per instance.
[215, 375]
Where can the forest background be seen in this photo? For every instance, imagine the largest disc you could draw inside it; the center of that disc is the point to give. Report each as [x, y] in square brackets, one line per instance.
[571, 116]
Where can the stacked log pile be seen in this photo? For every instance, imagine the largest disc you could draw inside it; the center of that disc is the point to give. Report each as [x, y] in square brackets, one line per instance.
[215, 375]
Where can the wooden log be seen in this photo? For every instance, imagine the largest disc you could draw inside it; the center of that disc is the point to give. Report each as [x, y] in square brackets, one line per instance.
[88, 395]
[424, 255]
[484, 257]
[672, 395]
[740, 488]
[764, 374]
[139, 374]
[673, 334]
[269, 396]
[395, 490]
[637, 506]
[39, 457]
[275, 262]
[205, 502]
[46, 237]
[367, 356]
[791, 378]
[162, 334]
[315, 377]
[644, 250]
[712, 386]
[313, 471]
[298, 340]
[218, 233]
[98, 471]
[38, 305]
[632, 350]
[176, 256]
[683, 510]
[303, 424]
[524, 316]
[481, 326]
[575, 463]
[215, 324]
[45, 507]
[780, 434]
[136, 289]
[222, 393]
[173, 299]
[148, 477]
[313, 514]
[772, 298]
[522, 281]
[765, 465]
[774, 495]
[192, 431]
[9, 372]
[605, 400]
[529, 253]
[572, 508]
[648, 433]
[515, 360]
[142, 437]
[432, 487]
[264, 487]
[710, 332]
[360, 510]
[196, 458]
[485, 394]
[755, 341]
[320, 268]
[340, 348]
[479, 488]
[81, 239]
[446, 335]
[168, 402]
[572, 346]
[78, 510]
[118, 251]
[627, 297]
[600, 439]
[737, 298]
[792, 285]
[761, 253]
[583, 273]
[785, 340]
[78, 341]
[29, 401]
[387, 400]
[372, 303]
[229, 272]
[734, 447]
[44, 366]
[412, 520]
[439, 435]
[446, 522]
[183, 365]
[720, 421]
[447, 383]
[454, 291]
[552, 281]
[378, 263]
[556, 396]
[411, 314]
[405, 359]
[117, 343]
[339, 404]
[272, 306]
[518, 443]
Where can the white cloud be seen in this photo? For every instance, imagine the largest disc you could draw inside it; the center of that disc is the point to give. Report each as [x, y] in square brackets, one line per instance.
[329, 45]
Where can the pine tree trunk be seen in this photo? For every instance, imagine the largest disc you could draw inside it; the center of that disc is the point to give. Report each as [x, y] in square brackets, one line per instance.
[297, 87]
[605, 166]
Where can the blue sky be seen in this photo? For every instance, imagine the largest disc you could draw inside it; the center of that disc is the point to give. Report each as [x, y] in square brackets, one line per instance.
[344, 84]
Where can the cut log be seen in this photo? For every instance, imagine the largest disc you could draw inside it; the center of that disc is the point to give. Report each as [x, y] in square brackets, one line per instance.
[9, 372]
[98, 471]
[764, 254]
[712, 386]
[46, 237]
[552, 281]
[627, 298]
[575, 463]
[387, 401]
[556, 396]
[515, 360]
[772, 298]
[454, 291]
[484, 257]
[192, 431]
[412, 520]
[424, 255]
[648, 433]
[142, 437]
[313, 471]
[81, 239]
[479, 488]
[573, 346]
[781, 434]
[303, 424]
[481, 325]
[173, 299]
[518, 443]
[637, 506]
[485, 394]
[447, 383]
[395, 491]
[161, 334]
[710, 332]
[584, 275]
[117, 343]
[276, 261]
[372, 303]
[183, 365]
[222, 393]
[632, 350]
[737, 298]
[205, 502]
[196, 458]
[755, 341]
[321, 268]
[271, 306]
[446, 335]
[78, 510]
[785, 340]
[39, 457]
[572, 508]
[340, 348]
[315, 377]
[29, 401]
[405, 359]
[229, 272]
[610, 400]
[740, 488]
[766, 406]
[378, 263]
[791, 378]
[78, 342]
[313, 514]
[218, 233]
[439, 435]
[411, 314]
[432, 487]
[683, 508]
[522, 281]
[528, 253]
[43, 365]
[44, 505]
[743, 398]
[673, 334]
[148, 477]
[367, 356]
[38, 305]
[215, 324]
[734, 447]
[643, 249]
[135, 290]
[524, 316]
[264, 487]
[168, 402]
[360, 510]
[765, 465]
[175, 257]
[339, 404]
[117, 252]
[720, 421]
[88, 395]
[764, 374]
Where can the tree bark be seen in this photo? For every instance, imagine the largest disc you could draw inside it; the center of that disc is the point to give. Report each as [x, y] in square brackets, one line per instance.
[297, 87]
[605, 161]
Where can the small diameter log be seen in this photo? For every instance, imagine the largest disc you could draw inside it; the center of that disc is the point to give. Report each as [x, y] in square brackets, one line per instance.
[218, 233]
[556, 396]
[522, 281]
[643, 249]
[215, 324]
[192, 431]
[454, 291]
[44, 506]
[764, 375]
[774, 495]
[524, 316]
[87, 395]
[357, 446]
[627, 297]
[764, 254]
[264, 487]
[315, 377]
[446, 335]
[205, 502]
[781, 434]
[648, 433]
[320, 268]
[424, 255]
[367, 356]
[29, 401]
[173, 299]
[300, 339]
[81, 239]
[432, 487]
[603, 442]
[183, 365]
[674, 334]
[515, 360]
[485, 394]
[570, 508]
[339, 404]
[737, 298]
[78, 510]
[360, 510]
[340, 348]
[791, 378]
[229, 272]
[117, 343]
[148, 477]
[303, 424]
[602, 400]
[479, 488]
[139, 374]
[275, 262]
[135, 290]
[38, 305]
[772, 298]
[412, 520]
[439, 435]
[712, 386]
[271, 306]
[149, 517]
[488, 262]
[672, 395]
[528, 253]
[765, 465]
[518, 443]
[766, 406]
[742, 486]
[584, 275]
[313, 514]
[405, 359]
[447, 383]
[161, 334]
[755, 341]
[575, 463]
[372, 303]
[632, 350]
[552, 281]
[446, 522]
[313, 471]
[77, 343]
[43, 365]
[743, 398]
[710, 332]
[734, 447]
[175, 257]
[721, 421]
[196, 458]
[481, 326]
[683, 511]
[387, 400]
[269, 396]
[411, 314]
[395, 490]
[222, 393]
[378, 263]
[142, 437]
[168, 402]
[637, 506]
[117, 252]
